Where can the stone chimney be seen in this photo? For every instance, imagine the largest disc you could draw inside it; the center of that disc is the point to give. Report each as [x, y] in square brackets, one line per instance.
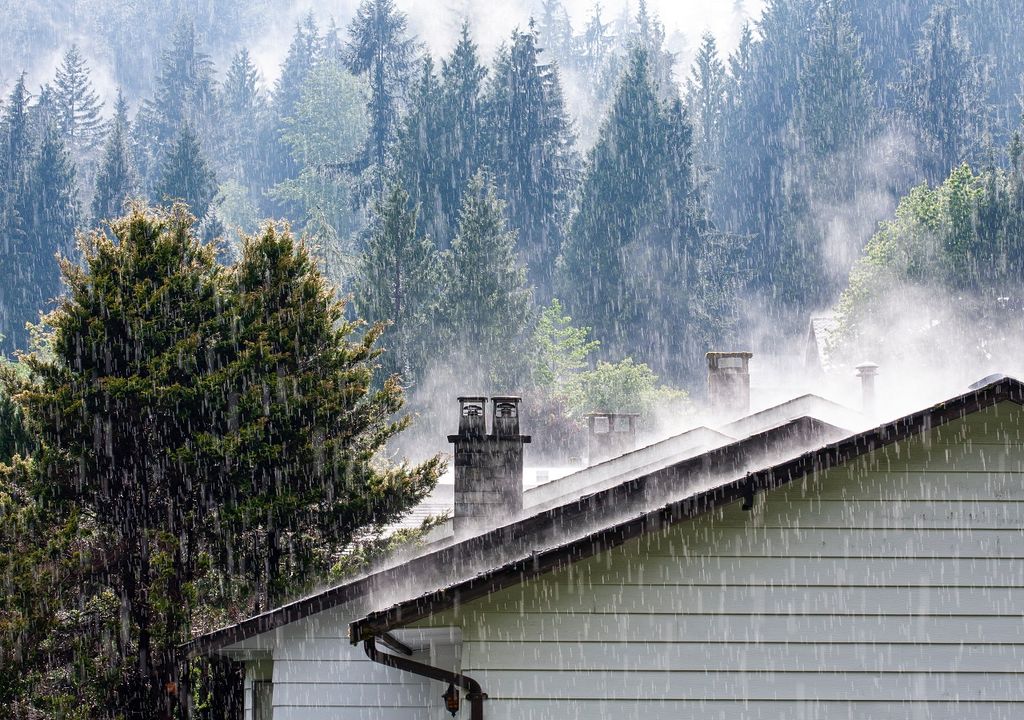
[488, 467]
[729, 382]
[610, 435]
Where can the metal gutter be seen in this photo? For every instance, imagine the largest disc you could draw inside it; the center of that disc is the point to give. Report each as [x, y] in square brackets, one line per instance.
[474, 693]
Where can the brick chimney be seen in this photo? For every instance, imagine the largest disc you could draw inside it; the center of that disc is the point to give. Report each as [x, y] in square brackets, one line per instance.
[729, 382]
[488, 467]
[610, 435]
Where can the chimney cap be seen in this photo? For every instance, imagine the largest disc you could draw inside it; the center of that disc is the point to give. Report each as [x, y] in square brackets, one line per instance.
[596, 413]
[867, 369]
[472, 398]
[506, 398]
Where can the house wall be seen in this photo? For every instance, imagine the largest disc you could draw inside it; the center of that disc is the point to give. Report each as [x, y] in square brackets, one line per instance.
[891, 587]
[318, 675]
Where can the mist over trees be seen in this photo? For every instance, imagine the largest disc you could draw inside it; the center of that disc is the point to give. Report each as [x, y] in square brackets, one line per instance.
[577, 216]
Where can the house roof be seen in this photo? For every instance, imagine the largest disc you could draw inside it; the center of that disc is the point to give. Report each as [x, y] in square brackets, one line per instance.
[474, 567]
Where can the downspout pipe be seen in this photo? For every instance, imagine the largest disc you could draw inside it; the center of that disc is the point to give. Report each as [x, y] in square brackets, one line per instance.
[474, 693]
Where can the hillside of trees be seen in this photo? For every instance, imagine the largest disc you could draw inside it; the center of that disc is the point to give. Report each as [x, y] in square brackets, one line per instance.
[201, 264]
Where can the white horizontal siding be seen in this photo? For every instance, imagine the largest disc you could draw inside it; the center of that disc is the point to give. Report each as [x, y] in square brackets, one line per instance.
[893, 587]
[326, 677]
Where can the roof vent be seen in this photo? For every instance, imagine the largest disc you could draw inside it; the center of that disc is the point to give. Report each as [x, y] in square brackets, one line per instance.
[867, 371]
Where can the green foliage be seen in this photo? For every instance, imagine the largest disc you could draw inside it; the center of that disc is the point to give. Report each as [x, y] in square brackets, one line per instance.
[397, 284]
[186, 176]
[381, 50]
[639, 254]
[485, 305]
[954, 254]
[324, 137]
[163, 367]
[529, 146]
[116, 180]
[560, 350]
[623, 387]
[78, 106]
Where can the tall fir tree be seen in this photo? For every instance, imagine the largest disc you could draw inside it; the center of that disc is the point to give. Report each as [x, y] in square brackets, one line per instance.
[419, 160]
[832, 124]
[185, 94]
[381, 50]
[49, 213]
[706, 97]
[243, 107]
[461, 144]
[15, 159]
[486, 304]
[638, 238]
[941, 93]
[116, 180]
[78, 106]
[186, 176]
[398, 284]
[530, 146]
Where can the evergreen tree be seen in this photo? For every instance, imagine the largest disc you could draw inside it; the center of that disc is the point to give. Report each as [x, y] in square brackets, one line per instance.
[530, 148]
[185, 175]
[15, 158]
[705, 92]
[555, 30]
[78, 107]
[420, 157]
[47, 209]
[381, 50]
[832, 124]
[398, 284]
[116, 180]
[185, 95]
[163, 368]
[941, 94]
[486, 301]
[304, 53]
[461, 151]
[638, 239]
[243, 105]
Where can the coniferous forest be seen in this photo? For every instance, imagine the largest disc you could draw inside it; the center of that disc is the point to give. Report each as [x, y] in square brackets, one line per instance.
[229, 285]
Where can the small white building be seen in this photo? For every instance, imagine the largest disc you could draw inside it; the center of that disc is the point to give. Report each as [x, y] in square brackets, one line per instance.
[797, 568]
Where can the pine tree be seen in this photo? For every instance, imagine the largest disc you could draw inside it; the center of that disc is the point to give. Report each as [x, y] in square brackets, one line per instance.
[78, 106]
[832, 124]
[163, 368]
[461, 144]
[185, 95]
[705, 95]
[398, 283]
[530, 147]
[243, 106]
[381, 50]
[419, 156]
[185, 175]
[48, 208]
[638, 235]
[941, 94]
[15, 157]
[304, 53]
[486, 303]
[116, 180]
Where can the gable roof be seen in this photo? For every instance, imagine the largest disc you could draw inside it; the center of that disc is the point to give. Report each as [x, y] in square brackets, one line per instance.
[645, 502]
